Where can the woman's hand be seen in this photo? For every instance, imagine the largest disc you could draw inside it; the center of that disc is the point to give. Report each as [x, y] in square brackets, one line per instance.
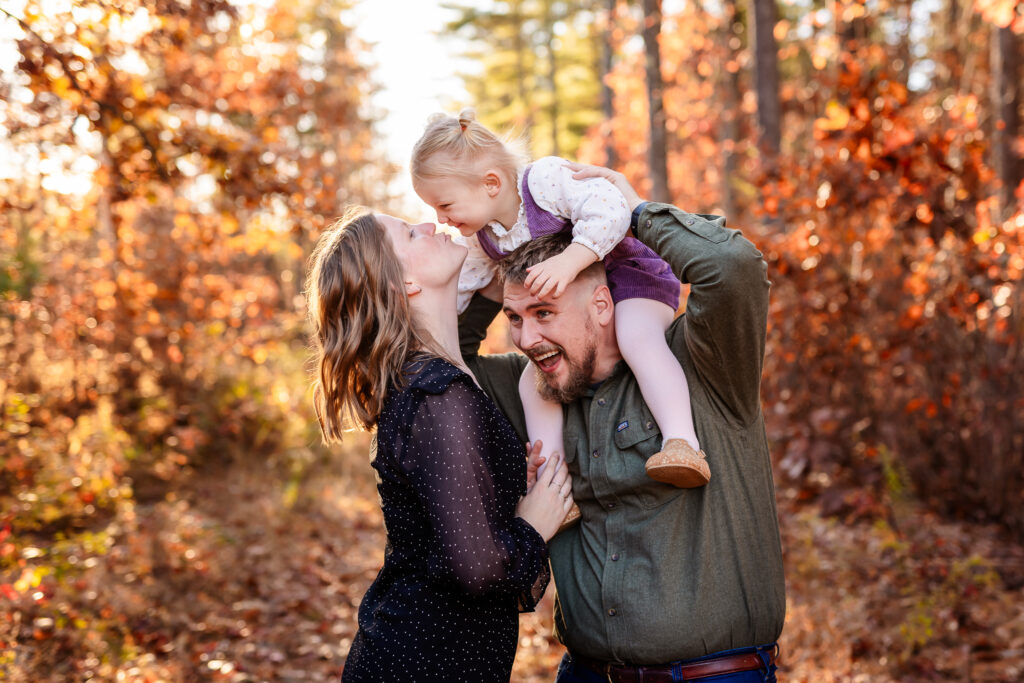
[549, 500]
[614, 177]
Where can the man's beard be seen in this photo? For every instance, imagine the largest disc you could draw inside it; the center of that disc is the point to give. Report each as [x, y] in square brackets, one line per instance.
[578, 378]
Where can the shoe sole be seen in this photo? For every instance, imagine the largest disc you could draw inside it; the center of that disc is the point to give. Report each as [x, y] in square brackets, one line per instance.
[571, 517]
[682, 477]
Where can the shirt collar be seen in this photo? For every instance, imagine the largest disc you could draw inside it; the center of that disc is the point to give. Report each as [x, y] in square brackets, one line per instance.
[432, 375]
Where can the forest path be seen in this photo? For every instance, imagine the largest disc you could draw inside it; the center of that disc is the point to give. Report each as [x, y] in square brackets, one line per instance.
[939, 601]
[240, 574]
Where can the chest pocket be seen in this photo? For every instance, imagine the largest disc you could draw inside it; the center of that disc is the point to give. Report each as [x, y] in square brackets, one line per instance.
[637, 438]
[634, 429]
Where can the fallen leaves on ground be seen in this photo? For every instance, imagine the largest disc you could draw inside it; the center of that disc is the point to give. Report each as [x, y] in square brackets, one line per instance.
[236, 577]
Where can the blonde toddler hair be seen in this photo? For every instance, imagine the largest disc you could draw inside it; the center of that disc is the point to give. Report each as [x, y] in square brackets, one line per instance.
[460, 146]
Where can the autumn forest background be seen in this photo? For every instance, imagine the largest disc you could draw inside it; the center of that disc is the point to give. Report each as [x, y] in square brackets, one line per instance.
[167, 509]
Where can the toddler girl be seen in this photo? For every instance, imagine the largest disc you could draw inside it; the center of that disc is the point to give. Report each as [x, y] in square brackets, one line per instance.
[477, 184]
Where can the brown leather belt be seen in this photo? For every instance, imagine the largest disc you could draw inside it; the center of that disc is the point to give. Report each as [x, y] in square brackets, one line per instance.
[662, 673]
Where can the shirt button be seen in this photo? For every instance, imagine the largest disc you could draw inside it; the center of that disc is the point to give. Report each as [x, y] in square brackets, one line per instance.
[601, 401]
[649, 424]
[596, 454]
[615, 557]
[612, 612]
[648, 222]
[610, 505]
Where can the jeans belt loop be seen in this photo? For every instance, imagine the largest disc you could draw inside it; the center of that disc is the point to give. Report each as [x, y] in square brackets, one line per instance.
[765, 662]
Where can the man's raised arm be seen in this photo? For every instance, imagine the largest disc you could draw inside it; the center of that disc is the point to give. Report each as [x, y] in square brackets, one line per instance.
[727, 309]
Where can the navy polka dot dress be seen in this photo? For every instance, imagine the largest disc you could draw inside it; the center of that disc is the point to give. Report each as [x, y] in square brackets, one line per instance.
[459, 565]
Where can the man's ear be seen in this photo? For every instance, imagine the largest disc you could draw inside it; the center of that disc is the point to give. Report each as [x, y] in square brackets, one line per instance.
[602, 305]
[412, 289]
[492, 182]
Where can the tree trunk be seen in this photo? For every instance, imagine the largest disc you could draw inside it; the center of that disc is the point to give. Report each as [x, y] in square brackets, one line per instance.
[766, 73]
[1005, 101]
[658, 147]
[607, 96]
[904, 55]
[549, 28]
[951, 62]
[104, 214]
[730, 89]
[526, 118]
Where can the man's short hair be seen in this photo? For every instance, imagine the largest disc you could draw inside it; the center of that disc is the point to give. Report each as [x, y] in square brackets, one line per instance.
[512, 268]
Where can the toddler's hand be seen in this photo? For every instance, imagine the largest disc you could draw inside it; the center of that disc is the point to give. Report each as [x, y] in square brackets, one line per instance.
[534, 460]
[550, 277]
[556, 273]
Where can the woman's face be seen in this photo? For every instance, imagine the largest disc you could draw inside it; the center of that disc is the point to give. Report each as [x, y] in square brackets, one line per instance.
[429, 258]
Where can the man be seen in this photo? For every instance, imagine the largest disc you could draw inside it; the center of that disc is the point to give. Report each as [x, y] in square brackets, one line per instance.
[656, 583]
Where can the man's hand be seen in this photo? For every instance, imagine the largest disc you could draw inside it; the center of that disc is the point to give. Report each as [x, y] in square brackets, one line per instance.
[614, 177]
[553, 275]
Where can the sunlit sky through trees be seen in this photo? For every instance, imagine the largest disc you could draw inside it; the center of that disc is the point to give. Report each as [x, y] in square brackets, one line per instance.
[417, 71]
[416, 68]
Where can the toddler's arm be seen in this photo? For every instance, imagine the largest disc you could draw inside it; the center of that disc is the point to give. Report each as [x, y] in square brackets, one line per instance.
[599, 214]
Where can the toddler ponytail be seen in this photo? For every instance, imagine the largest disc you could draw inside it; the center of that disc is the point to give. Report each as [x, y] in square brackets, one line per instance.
[460, 146]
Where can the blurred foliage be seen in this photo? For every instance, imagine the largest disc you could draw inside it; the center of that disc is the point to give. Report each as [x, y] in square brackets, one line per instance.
[172, 164]
[166, 509]
[896, 319]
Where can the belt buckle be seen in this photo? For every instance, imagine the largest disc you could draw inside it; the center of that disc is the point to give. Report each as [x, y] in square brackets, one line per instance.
[608, 670]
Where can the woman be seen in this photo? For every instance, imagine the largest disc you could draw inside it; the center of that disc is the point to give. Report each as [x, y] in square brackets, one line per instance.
[466, 541]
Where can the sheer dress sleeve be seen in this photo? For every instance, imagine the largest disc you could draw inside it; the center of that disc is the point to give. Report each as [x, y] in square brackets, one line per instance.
[455, 445]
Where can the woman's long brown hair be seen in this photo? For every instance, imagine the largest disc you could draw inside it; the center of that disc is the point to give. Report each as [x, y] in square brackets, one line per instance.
[363, 329]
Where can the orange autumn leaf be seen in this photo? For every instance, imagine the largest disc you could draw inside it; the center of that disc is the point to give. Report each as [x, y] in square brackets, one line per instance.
[837, 117]
[1002, 13]
[899, 136]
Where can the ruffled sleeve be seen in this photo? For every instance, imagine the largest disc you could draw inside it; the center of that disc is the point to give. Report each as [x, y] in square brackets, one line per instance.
[477, 270]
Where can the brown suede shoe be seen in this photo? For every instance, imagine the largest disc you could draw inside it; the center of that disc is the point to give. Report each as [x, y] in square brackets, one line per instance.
[677, 463]
[571, 517]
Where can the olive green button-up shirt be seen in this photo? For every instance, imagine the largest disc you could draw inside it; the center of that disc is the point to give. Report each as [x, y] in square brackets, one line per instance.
[655, 573]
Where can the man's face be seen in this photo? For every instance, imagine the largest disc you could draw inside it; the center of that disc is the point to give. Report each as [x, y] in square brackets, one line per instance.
[559, 337]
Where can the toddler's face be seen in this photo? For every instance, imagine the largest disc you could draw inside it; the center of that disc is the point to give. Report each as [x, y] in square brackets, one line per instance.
[463, 204]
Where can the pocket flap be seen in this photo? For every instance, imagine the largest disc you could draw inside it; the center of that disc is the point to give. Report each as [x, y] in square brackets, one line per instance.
[634, 428]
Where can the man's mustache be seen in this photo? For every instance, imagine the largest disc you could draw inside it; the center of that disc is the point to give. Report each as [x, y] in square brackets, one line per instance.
[540, 351]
